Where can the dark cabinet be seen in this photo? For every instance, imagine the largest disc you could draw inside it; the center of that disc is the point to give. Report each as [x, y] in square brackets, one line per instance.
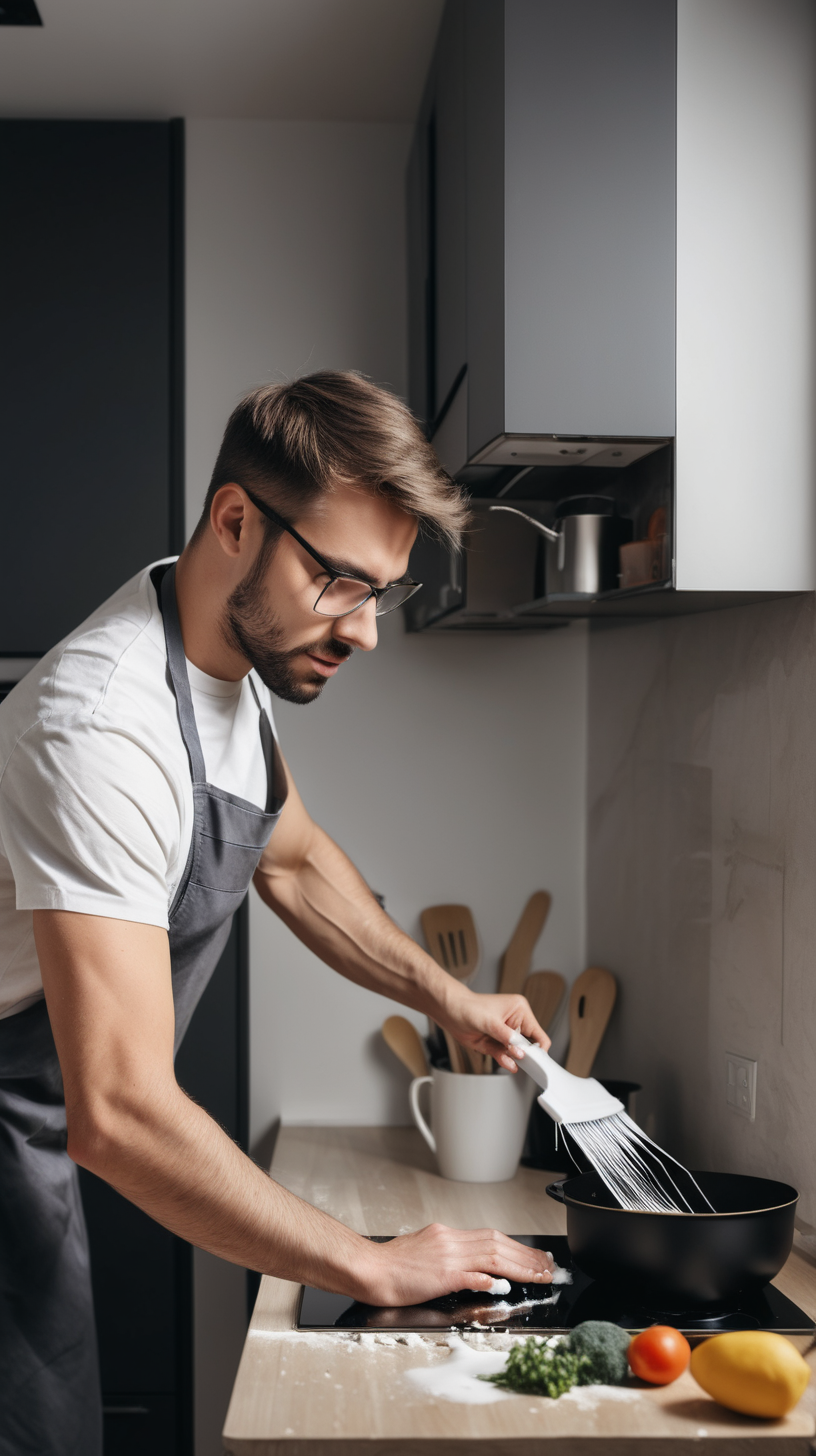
[90, 367]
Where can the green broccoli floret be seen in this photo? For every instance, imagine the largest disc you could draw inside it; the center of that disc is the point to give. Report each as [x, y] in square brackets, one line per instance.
[537, 1369]
[602, 1348]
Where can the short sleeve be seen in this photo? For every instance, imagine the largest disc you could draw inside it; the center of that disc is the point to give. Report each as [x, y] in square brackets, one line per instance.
[91, 821]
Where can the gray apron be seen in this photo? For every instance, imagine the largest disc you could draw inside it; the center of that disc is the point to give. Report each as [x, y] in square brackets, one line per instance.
[50, 1403]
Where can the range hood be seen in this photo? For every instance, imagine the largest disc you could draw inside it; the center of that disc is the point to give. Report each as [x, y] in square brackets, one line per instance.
[527, 452]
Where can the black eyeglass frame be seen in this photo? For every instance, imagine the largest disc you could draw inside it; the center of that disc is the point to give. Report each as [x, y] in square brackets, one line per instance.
[373, 591]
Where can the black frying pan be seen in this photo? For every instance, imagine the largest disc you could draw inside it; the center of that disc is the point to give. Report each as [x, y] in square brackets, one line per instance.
[676, 1259]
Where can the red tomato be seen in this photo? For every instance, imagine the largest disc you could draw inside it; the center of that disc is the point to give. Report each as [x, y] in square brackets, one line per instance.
[659, 1354]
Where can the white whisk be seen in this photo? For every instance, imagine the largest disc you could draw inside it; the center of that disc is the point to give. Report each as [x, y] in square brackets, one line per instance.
[631, 1165]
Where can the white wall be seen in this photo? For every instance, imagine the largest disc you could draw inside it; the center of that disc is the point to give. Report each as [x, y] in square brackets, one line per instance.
[295, 261]
[449, 768]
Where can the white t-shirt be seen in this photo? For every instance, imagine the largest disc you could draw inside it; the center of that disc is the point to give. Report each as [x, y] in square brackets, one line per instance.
[96, 801]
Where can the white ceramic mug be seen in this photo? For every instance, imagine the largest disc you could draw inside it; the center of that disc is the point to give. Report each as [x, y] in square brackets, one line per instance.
[478, 1123]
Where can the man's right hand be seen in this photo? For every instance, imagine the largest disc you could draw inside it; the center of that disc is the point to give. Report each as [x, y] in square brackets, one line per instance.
[438, 1260]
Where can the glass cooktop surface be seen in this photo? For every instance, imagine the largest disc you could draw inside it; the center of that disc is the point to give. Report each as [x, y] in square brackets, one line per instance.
[545, 1309]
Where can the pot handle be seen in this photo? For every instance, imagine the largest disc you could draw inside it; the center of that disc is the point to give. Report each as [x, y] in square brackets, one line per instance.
[556, 1191]
[418, 1118]
[539, 525]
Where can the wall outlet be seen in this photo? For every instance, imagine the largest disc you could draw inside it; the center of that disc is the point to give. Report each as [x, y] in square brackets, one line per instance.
[740, 1085]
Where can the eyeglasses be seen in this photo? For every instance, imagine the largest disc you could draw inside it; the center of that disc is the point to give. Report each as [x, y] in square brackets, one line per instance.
[342, 594]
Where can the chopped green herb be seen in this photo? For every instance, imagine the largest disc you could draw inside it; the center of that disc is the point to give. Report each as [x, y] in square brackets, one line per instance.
[538, 1369]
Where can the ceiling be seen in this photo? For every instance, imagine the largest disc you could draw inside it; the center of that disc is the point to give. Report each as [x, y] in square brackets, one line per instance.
[321, 60]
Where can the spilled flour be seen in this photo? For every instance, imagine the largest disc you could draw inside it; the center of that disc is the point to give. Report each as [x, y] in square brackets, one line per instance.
[455, 1378]
[587, 1397]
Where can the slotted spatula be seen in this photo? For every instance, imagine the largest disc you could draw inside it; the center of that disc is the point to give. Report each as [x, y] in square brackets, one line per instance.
[591, 1000]
[450, 936]
[544, 991]
[517, 959]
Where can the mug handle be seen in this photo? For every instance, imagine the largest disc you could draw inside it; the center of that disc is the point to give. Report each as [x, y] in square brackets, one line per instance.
[413, 1096]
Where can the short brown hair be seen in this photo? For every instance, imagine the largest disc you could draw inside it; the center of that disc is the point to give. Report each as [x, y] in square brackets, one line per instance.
[290, 443]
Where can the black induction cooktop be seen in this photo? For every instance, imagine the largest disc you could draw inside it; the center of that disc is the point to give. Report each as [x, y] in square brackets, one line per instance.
[583, 1299]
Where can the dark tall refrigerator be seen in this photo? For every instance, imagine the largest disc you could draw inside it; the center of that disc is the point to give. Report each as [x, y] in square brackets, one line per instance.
[91, 458]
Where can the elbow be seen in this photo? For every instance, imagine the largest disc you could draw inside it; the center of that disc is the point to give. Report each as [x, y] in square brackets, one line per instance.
[92, 1142]
[105, 1133]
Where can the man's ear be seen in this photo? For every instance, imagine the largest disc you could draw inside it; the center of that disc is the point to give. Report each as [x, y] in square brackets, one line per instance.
[228, 518]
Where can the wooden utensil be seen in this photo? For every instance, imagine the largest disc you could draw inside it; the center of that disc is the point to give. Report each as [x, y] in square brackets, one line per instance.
[456, 1054]
[591, 1000]
[544, 991]
[450, 936]
[402, 1037]
[516, 961]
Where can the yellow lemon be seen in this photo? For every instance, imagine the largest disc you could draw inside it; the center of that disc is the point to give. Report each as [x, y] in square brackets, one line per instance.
[751, 1371]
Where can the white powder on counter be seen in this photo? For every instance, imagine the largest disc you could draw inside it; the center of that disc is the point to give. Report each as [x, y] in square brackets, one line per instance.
[587, 1397]
[455, 1378]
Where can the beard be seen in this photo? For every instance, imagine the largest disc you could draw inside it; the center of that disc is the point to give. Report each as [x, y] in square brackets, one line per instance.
[251, 626]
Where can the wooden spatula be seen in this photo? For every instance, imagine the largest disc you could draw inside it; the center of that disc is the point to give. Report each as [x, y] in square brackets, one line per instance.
[450, 936]
[405, 1042]
[544, 991]
[516, 961]
[591, 1000]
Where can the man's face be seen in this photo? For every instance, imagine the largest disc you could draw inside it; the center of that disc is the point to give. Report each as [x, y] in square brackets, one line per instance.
[270, 615]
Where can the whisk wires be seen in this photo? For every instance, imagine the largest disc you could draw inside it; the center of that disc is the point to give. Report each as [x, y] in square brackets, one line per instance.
[633, 1167]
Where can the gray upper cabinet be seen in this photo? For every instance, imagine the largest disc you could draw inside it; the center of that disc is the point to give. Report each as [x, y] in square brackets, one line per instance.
[588, 211]
[547, 150]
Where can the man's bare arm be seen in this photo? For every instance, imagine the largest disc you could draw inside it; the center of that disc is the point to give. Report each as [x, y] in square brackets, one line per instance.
[314, 887]
[108, 990]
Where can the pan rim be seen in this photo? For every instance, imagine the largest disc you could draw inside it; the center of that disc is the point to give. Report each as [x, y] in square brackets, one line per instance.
[678, 1213]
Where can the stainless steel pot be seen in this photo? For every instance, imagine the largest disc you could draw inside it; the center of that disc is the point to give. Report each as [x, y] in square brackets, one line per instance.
[583, 548]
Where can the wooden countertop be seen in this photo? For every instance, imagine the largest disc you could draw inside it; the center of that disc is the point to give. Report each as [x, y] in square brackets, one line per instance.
[301, 1394]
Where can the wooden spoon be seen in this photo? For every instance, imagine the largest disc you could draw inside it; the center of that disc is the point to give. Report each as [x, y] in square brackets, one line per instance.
[544, 991]
[405, 1042]
[516, 961]
[591, 1000]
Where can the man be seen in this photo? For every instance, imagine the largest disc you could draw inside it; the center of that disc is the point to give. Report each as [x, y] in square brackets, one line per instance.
[141, 791]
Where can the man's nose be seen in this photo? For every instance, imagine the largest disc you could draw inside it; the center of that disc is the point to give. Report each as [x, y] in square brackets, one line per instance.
[359, 628]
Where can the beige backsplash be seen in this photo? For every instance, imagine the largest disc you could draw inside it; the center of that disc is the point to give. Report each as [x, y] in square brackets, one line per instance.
[701, 876]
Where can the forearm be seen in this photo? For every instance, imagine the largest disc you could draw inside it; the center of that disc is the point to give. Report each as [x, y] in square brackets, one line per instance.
[165, 1154]
[328, 905]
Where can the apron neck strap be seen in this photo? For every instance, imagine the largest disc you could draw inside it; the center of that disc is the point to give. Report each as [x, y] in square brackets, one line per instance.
[177, 667]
